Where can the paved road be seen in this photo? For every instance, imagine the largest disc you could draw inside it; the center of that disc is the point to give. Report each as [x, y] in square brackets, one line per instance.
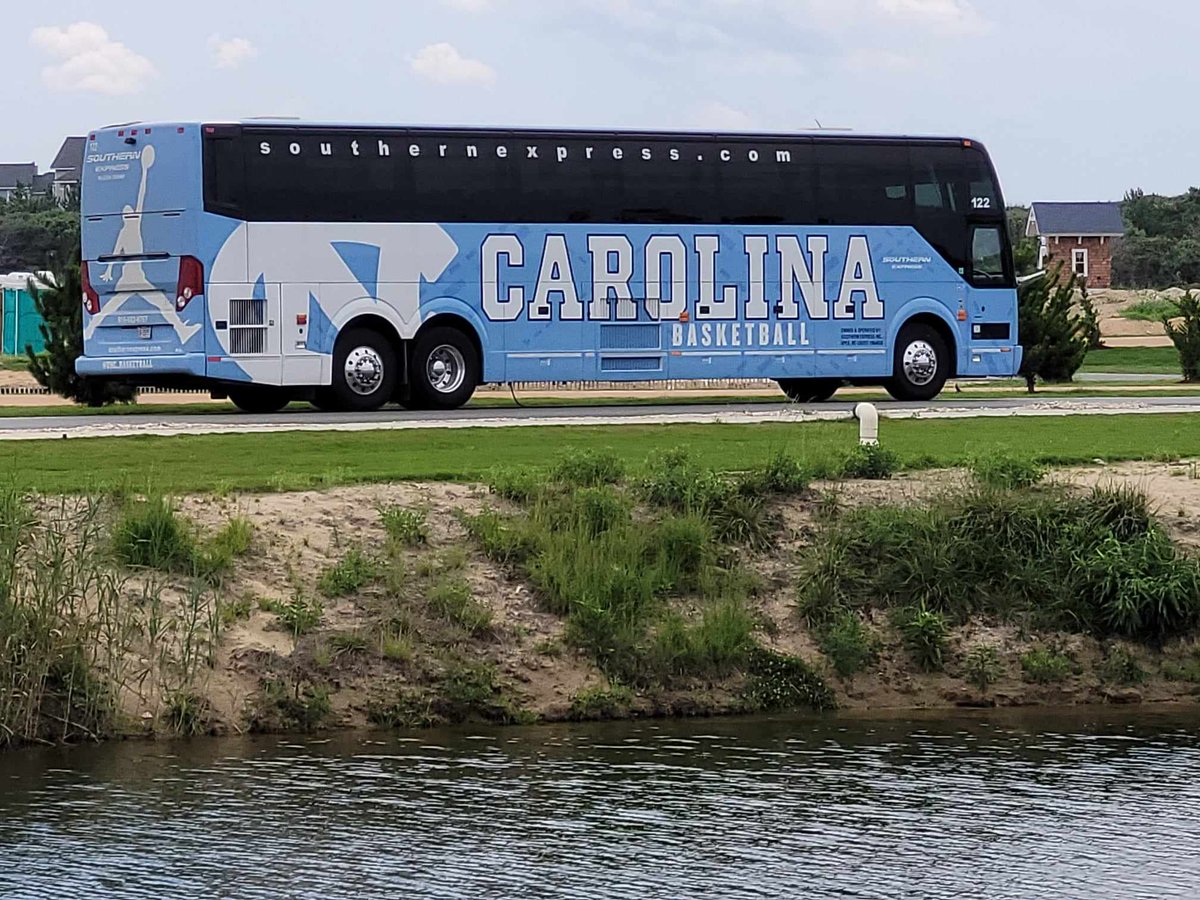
[28, 428]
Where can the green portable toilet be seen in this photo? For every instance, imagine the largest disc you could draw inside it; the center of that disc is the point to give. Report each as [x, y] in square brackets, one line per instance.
[19, 322]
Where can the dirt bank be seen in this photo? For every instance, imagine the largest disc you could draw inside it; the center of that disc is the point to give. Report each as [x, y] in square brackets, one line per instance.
[444, 630]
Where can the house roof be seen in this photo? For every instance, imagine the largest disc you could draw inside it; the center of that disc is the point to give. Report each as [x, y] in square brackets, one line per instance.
[13, 174]
[70, 155]
[1076, 219]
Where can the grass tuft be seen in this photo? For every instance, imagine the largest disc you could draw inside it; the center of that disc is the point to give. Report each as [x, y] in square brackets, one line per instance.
[872, 462]
[404, 527]
[352, 572]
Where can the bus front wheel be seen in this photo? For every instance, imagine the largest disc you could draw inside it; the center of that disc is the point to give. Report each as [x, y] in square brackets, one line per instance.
[443, 369]
[920, 364]
[259, 398]
[364, 372]
[809, 390]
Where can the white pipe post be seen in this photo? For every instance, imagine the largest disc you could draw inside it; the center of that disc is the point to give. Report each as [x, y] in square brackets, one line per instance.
[868, 423]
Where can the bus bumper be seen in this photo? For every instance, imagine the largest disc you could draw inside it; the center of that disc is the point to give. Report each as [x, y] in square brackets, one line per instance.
[131, 367]
[992, 362]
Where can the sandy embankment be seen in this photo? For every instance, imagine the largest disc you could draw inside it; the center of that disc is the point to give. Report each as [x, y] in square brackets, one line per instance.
[298, 535]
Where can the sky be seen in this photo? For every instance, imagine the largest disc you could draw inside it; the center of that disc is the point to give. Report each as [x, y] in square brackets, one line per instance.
[1075, 99]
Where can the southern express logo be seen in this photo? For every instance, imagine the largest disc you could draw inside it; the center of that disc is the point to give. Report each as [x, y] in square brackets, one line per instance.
[720, 315]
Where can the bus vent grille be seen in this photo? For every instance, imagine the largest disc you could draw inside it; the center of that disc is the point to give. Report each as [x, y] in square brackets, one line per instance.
[630, 363]
[247, 340]
[629, 337]
[247, 312]
[247, 326]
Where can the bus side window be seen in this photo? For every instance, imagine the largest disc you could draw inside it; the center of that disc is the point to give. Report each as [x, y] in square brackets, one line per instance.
[940, 208]
[863, 184]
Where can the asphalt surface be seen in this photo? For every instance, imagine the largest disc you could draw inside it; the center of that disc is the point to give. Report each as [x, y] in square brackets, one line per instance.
[32, 427]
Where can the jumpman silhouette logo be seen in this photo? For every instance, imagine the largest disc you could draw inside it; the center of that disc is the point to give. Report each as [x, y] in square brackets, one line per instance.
[133, 282]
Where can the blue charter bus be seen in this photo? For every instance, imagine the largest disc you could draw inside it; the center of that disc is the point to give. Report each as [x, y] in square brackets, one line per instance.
[354, 266]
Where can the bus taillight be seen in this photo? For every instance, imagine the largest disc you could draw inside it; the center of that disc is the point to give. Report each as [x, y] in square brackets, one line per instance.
[191, 280]
[91, 299]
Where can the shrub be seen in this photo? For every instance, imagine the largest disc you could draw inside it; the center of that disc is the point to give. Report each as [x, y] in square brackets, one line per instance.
[781, 474]
[348, 574]
[451, 599]
[982, 667]
[598, 509]
[150, 534]
[1094, 563]
[779, 681]
[1007, 472]
[712, 647]
[1052, 334]
[925, 633]
[297, 615]
[1185, 335]
[847, 642]
[1089, 321]
[674, 479]
[870, 461]
[744, 519]
[1120, 666]
[1046, 665]
[1151, 310]
[405, 527]
[1184, 668]
[517, 485]
[587, 468]
[593, 703]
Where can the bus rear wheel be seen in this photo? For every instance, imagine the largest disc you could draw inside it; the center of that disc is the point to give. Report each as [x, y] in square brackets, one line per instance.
[809, 390]
[443, 369]
[920, 363]
[259, 399]
[364, 372]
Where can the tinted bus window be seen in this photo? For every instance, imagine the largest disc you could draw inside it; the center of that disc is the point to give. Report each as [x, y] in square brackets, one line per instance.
[765, 184]
[941, 199]
[457, 178]
[863, 184]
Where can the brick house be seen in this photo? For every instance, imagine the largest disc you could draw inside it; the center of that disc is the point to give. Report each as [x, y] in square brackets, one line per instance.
[1080, 236]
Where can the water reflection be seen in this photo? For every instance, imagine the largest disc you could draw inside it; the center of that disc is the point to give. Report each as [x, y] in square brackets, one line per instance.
[996, 807]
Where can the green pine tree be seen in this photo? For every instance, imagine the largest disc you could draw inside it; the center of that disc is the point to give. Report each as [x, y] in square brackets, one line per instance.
[61, 309]
[1184, 333]
[1053, 335]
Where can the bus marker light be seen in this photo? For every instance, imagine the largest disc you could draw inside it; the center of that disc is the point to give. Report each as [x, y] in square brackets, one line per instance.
[962, 315]
[215, 358]
[301, 319]
[683, 316]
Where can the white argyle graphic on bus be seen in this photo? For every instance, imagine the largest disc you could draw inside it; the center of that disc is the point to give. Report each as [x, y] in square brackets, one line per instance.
[383, 263]
[132, 281]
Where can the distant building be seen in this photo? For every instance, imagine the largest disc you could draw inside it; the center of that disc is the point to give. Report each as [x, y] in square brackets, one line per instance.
[1080, 236]
[67, 165]
[14, 176]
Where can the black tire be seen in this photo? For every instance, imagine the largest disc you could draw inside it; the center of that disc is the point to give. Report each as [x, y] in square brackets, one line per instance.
[259, 399]
[443, 369]
[920, 363]
[809, 390]
[324, 400]
[365, 372]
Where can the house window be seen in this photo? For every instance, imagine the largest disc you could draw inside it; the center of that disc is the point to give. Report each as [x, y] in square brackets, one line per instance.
[1079, 261]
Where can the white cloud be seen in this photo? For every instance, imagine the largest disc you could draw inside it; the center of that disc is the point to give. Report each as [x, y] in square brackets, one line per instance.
[88, 60]
[720, 116]
[879, 60]
[443, 64]
[943, 15]
[231, 53]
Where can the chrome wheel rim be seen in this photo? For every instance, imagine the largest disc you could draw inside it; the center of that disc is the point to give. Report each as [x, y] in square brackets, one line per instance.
[445, 369]
[920, 363]
[364, 370]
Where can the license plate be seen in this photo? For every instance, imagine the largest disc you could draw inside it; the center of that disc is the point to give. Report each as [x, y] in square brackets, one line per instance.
[145, 332]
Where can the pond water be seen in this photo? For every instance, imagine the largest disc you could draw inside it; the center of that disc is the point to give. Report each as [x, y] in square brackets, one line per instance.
[1071, 804]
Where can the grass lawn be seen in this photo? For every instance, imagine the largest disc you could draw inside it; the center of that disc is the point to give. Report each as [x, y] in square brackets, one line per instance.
[298, 460]
[13, 363]
[1133, 360]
